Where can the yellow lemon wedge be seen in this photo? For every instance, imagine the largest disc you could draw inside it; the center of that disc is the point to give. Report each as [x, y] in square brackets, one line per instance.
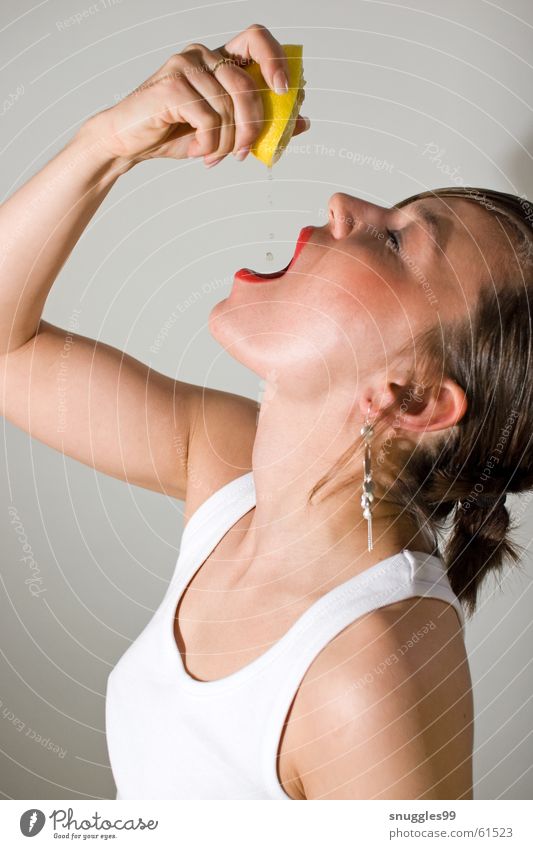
[280, 110]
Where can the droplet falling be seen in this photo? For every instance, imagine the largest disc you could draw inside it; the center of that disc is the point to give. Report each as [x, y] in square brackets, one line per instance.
[270, 177]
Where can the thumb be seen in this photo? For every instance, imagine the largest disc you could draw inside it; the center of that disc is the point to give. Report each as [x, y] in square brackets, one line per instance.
[301, 125]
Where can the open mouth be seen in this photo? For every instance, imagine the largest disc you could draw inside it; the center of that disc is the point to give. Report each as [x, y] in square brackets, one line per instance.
[249, 276]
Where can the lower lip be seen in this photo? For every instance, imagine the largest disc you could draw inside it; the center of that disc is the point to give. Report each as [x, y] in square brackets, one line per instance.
[248, 276]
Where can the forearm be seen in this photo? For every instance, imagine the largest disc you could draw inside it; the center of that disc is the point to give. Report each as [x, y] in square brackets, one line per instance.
[40, 225]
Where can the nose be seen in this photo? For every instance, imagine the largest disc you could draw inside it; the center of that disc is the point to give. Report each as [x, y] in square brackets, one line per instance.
[348, 213]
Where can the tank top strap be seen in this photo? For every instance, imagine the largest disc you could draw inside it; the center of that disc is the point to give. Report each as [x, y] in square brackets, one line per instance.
[386, 582]
[402, 576]
[429, 578]
[222, 507]
[210, 522]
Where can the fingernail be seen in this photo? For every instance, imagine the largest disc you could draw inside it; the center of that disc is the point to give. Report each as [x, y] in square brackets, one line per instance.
[242, 153]
[281, 83]
[306, 120]
[214, 162]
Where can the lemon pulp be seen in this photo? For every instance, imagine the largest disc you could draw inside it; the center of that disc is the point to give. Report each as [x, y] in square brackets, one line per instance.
[280, 110]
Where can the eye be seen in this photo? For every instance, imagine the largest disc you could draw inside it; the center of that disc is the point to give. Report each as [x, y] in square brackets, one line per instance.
[393, 240]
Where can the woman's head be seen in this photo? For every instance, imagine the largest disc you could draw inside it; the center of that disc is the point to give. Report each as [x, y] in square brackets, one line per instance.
[364, 285]
[455, 479]
[433, 331]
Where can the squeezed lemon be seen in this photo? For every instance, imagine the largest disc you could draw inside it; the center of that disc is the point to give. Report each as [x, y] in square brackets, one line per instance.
[280, 110]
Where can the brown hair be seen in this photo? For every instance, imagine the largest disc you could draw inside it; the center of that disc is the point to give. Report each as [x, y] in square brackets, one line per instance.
[458, 483]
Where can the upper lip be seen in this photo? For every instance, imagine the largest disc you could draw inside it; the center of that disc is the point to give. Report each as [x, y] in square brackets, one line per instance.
[303, 237]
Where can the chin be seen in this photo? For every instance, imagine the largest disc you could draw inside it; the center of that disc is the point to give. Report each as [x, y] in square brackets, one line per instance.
[298, 366]
[223, 326]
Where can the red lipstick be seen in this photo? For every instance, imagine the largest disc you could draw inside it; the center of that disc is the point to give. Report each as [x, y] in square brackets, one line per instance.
[249, 276]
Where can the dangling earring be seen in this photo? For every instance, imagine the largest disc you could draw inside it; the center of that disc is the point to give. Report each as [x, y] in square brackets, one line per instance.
[367, 432]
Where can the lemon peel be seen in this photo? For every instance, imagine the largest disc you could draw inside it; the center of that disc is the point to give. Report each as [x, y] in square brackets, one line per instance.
[280, 110]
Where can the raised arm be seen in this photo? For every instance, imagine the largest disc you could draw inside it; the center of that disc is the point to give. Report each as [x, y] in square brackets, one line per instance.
[83, 397]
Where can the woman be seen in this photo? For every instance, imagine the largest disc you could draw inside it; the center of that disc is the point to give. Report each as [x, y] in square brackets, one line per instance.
[310, 642]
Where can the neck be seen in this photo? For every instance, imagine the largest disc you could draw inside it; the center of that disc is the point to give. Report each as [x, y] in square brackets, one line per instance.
[296, 445]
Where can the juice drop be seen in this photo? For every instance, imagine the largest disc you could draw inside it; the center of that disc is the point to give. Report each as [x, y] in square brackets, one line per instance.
[270, 177]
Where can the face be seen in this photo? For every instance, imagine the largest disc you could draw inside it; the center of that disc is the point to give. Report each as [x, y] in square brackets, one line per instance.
[361, 286]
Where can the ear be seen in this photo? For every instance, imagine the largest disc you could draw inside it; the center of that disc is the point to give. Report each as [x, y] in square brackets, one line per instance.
[431, 408]
[420, 409]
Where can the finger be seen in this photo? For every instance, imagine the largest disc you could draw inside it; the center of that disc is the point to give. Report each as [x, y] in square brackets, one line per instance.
[196, 62]
[301, 125]
[258, 44]
[226, 142]
[248, 109]
[223, 105]
[198, 112]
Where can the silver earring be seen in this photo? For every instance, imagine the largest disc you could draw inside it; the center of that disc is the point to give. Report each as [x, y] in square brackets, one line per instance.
[367, 432]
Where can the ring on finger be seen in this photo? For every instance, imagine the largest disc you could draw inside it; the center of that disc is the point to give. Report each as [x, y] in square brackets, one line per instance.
[223, 61]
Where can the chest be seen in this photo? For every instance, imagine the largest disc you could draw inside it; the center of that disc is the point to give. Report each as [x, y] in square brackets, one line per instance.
[227, 616]
[224, 621]
[229, 611]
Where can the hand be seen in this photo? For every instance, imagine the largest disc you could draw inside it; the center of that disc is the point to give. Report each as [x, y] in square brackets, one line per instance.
[184, 110]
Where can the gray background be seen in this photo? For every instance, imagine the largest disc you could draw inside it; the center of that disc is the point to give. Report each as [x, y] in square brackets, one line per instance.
[387, 82]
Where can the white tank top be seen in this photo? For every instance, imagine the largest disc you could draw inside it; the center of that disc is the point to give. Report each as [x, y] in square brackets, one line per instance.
[170, 736]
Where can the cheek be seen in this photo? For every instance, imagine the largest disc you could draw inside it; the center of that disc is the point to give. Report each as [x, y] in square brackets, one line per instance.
[395, 298]
[348, 303]
[363, 316]
[315, 328]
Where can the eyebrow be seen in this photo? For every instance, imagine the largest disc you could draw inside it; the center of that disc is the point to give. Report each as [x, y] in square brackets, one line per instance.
[434, 224]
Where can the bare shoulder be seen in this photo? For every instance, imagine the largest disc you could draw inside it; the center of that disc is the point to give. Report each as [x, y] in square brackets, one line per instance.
[385, 710]
[221, 443]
